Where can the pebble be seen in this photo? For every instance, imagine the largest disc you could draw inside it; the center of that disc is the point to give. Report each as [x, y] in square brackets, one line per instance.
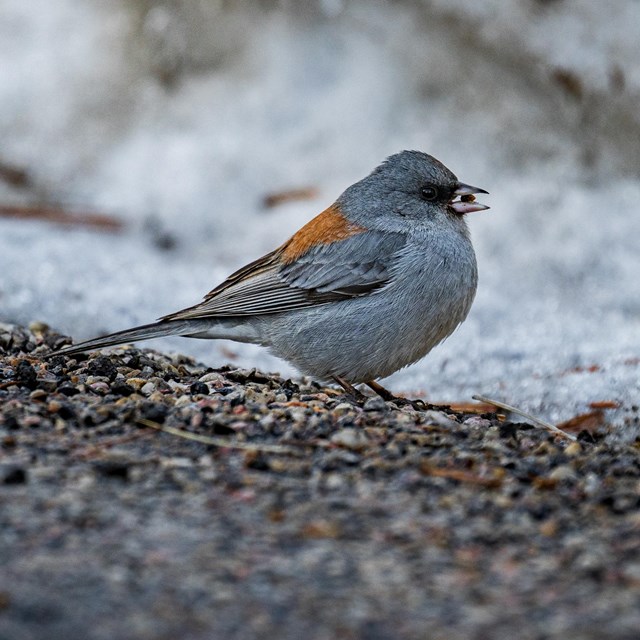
[478, 423]
[25, 374]
[69, 390]
[563, 472]
[153, 411]
[573, 449]
[122, 389]
[215, 378]
[375, 404]
[12, 474]
[100, 387]
[102, 366]
[38, 394]
[438, 418]
[177, 463]
[350, 438]
[199, 388]
[147, 389]
[136, 383]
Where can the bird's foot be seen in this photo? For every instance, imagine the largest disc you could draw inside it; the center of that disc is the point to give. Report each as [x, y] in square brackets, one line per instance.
[359, 398]
[385, 394]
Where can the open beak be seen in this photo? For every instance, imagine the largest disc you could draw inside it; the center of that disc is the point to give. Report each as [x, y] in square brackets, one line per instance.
[464, 201]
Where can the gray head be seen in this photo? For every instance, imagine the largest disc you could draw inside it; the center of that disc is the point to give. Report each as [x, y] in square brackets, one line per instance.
[409, 189]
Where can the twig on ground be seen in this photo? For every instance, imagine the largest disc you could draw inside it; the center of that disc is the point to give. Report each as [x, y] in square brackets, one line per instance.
[461, 475]
[218, 442]
[524, 414]
[98, 449]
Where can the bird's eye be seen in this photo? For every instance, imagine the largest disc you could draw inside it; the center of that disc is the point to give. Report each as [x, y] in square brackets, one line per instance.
[430, 194]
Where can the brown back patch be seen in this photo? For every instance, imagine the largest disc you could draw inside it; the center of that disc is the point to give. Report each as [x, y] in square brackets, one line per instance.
[327, 227]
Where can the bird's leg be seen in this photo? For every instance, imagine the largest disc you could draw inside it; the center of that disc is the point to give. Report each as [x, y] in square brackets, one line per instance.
[350, 389]
[386, 395]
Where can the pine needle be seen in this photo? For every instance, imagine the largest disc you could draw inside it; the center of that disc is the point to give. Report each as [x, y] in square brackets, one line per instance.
[217, 441]
[536, 421]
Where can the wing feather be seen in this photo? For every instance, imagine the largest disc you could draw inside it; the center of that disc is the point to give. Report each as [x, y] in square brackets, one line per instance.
[355, 266]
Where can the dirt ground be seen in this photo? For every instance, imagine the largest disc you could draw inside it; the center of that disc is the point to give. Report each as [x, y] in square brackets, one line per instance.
[305, 514]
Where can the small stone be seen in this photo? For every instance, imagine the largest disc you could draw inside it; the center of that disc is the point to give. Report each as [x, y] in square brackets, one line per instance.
[48, 384]
[8, 441]
[177, 387]
[38, 326]
[102, 366]
[438, 418]
[101, 388]
[10, 422]
[177, 462]
[122, 389]
[320, 529]
[375, 404]
[350, 438]
[199, 388]
[545, 449]
[631, 571]
[257, 461]
[573, 449]
[112, 469]
[506, 429]
[592, 484]
[563, 472]
[153, 411]
[277, 466]
[12, 474]
[480, 423]
[26, 374]
[334, 481]
[148, 388]
[136, 383]
[68, 390]
[38, 394]
[213, 377]
[54, 406]
[290, 388]
[157, 396]
[549, 528]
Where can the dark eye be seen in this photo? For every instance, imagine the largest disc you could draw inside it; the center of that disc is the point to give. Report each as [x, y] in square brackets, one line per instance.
[430, 193]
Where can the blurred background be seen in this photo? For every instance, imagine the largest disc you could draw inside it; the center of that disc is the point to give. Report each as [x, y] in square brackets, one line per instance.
[149, 147]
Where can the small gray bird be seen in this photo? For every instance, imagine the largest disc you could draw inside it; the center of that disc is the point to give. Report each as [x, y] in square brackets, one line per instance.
[367, 287]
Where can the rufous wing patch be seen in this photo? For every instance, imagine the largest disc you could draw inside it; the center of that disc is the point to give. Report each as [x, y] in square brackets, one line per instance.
[327, 227]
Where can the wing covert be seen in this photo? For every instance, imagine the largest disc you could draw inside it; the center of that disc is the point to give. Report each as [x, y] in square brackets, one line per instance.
[354, 266]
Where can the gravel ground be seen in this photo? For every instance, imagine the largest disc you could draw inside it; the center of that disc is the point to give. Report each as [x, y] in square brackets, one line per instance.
[307, 515]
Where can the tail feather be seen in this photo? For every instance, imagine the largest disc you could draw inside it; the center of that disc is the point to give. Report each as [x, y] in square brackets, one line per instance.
[143, 332]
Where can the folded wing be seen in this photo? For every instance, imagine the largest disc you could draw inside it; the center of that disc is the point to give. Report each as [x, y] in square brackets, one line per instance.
[357, 265]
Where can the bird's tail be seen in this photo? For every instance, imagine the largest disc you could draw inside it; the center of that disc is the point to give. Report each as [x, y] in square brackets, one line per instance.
[143, 332]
